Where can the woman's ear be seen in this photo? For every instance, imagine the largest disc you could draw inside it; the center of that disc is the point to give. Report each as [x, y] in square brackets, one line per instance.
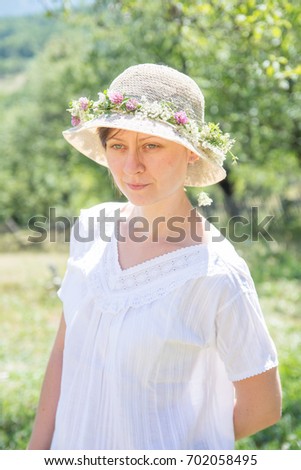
[192, 157]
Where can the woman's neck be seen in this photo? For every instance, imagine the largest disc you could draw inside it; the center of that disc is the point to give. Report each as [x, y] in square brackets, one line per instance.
[165, 220]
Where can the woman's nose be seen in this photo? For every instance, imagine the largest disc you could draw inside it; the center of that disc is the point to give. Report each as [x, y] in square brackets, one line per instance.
[133, 163]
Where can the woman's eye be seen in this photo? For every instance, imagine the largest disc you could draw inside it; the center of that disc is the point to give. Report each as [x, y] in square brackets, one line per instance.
[117, 146]
[152, 146]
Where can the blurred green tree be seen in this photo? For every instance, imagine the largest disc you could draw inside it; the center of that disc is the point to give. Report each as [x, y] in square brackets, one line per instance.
[244, 55]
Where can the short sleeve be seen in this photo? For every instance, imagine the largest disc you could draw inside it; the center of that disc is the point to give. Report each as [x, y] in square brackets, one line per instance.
[84, 235]
[73, 287]
[243, 341]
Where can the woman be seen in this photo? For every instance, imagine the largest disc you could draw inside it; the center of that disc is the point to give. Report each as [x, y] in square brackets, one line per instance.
[162, 344]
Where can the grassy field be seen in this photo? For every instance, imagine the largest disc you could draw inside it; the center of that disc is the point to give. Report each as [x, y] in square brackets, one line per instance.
[30, 312]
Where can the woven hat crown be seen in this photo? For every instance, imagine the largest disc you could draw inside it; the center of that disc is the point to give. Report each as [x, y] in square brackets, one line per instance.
[156, 100]
[162, 83]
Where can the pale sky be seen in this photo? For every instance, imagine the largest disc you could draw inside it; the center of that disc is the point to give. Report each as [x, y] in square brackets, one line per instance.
[29, 7]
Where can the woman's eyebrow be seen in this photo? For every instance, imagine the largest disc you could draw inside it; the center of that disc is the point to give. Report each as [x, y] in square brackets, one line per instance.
[140, 139]
[115, 138]
[150, 137]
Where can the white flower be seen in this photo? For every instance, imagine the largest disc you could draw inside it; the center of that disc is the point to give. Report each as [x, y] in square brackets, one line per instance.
[101, 98]
[97, 107]
[75, 108]
[204, 199]
[153, 110]
[191, 133]
[166, 114]
[207, 135]
[216, 154]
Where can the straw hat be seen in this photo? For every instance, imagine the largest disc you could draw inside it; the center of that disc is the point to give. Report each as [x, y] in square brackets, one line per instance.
[157, 100]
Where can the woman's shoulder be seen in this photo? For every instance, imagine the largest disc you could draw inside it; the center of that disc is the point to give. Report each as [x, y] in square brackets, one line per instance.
[92, 224]
[228, 264]
[103, 213]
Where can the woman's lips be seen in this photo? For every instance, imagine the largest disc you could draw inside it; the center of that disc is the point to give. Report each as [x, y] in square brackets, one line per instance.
[136, 187]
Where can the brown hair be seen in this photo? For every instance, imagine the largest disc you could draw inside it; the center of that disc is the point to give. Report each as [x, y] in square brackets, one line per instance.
[103, 133]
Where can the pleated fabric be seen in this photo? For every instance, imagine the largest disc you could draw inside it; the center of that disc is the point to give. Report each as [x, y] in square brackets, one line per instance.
[151, 352]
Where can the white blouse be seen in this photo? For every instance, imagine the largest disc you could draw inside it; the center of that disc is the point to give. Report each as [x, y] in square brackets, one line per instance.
[151, 351]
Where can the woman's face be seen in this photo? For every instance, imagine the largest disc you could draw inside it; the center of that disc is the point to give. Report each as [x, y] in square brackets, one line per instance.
[146, 169]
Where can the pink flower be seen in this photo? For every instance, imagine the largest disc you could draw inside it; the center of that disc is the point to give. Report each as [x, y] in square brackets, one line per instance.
[181, 117]
[131, 104]
[75, 121]
[84, 103]
[115, 97]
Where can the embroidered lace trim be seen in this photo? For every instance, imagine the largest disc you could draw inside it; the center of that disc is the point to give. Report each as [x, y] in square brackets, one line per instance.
[117, 290]
[155, 269]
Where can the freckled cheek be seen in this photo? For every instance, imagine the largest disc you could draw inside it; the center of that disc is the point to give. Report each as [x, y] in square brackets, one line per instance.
[176, 163]
[170, 162]
[114, 165]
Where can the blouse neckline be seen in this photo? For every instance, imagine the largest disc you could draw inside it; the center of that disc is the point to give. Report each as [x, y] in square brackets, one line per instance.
[148, 264]
[143, 282]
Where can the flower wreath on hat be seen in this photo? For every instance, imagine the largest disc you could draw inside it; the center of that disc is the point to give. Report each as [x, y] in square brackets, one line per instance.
[208, 135]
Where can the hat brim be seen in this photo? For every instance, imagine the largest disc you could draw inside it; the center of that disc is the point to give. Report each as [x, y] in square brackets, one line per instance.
[84, 138]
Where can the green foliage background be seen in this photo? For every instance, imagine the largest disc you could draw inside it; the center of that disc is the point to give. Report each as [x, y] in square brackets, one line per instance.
[246, 58]
[244, 55]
